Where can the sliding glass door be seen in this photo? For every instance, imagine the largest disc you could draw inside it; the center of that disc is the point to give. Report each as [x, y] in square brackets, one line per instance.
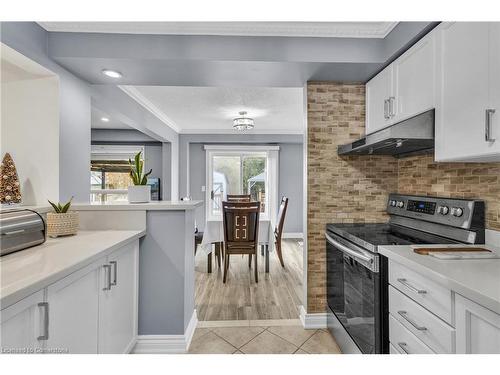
[238, 172]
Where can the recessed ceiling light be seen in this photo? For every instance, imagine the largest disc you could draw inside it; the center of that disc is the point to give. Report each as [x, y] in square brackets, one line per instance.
[112, 73]
[104, 119]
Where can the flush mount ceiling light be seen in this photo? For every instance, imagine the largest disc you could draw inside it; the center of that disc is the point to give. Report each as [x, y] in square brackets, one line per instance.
[243, 122]
[111, 73]
[104, 119]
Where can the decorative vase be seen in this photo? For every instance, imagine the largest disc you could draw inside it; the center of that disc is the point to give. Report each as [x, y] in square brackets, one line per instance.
[62, 224]
[139, 193]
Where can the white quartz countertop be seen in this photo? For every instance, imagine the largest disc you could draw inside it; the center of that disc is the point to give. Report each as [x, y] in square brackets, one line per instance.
[30, 270]
[475, 279]
[151, 206]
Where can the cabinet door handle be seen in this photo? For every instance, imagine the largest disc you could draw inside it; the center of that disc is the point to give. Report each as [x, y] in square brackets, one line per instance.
[386, 109]
[392, 112]
[411, 287]
[403, 347]
[487, 125]
[107, 275]
[415, 325]
[45, 331]
[115, 271]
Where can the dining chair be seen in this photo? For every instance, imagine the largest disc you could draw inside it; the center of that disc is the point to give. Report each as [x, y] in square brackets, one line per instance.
[278, 230]
[238, 198]
[241, 232]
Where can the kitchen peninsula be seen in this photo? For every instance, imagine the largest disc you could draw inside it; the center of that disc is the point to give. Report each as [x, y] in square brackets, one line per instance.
[114, 242]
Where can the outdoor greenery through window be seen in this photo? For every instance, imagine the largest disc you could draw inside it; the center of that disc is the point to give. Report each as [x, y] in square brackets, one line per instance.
[238, 174]
[109, 180]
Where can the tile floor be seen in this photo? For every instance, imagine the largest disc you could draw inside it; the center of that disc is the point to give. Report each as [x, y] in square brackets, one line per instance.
[261, 337]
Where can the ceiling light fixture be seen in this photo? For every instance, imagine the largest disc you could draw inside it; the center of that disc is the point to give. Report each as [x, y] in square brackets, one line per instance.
[243, 122]
[104, 119]
[112, 73]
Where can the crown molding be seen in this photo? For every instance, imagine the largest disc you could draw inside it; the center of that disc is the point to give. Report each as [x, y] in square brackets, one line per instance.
[147, 104]
[284, 29]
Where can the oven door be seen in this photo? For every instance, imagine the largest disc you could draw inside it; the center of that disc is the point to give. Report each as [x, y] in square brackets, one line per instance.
[354, 292]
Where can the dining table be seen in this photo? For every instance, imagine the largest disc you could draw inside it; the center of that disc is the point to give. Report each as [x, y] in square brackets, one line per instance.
[214, 233]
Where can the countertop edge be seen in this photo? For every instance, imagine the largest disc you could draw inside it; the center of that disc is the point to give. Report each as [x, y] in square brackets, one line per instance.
[17, 296]
[175, 206]
[454, 285]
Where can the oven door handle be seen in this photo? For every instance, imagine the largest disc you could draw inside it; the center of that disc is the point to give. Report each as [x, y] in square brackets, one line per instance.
[353, 253]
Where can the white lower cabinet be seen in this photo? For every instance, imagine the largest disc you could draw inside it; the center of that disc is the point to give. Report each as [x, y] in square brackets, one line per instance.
[118, 305]
[92, 310]
[73, 304]
[420, 325]
[22, 327]
[405, 341]
[478, 328]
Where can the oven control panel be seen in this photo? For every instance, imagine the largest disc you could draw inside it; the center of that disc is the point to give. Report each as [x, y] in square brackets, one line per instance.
[459, 213]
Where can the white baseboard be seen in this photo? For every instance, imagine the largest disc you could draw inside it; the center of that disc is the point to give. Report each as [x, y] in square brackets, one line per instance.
[293, 235]
[313, 321]
[167, 344]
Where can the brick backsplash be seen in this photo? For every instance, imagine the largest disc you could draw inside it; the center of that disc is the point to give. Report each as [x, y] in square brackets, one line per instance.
[420, 175]
[355, 188]
[340, 189]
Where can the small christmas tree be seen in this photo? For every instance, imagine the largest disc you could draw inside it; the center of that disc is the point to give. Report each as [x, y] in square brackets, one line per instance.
[10, 189]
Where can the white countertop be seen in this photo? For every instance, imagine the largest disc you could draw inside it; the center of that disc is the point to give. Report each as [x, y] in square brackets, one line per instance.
[28, 271]
[150, 206]
[475, 279]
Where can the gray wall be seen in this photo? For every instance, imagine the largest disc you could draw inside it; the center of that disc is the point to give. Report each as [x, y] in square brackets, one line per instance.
[166, 273]
[153, 150]
[74, 109]
[290, 171]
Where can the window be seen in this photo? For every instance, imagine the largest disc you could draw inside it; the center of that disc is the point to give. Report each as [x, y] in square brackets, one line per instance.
[241, 170]
[109, 176]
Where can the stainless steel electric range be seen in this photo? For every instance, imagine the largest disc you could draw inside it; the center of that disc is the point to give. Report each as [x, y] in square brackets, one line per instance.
[357, 292]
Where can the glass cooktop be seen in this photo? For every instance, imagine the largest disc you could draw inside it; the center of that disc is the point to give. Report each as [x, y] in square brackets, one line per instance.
[371, 235]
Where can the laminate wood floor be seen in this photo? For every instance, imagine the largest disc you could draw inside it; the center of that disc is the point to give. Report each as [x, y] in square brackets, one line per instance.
[277, 295]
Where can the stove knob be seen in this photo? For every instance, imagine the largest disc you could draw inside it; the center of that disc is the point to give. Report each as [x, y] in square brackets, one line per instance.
[392, 203]
[443, 210]
[457, 211]
[400, 204]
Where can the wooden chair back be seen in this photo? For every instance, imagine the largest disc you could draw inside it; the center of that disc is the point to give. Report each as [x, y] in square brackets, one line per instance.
[241, 223]
[278, 230]
[238, 198]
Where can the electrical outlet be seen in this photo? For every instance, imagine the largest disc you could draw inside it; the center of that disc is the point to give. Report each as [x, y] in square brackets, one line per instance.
[203, 188]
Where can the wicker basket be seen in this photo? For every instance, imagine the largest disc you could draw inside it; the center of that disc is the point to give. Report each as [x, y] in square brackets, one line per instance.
[62, 224]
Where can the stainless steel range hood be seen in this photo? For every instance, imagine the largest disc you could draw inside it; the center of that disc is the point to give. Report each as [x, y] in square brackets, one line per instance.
[407, 137]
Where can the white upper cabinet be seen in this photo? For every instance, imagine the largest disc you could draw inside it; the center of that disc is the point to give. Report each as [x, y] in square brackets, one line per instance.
[379, 90]
[405, 88]
[414, 79]
[468, 85]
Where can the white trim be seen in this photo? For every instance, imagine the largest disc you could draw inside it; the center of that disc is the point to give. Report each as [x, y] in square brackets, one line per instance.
[313, 321]
[240, 148]
[298, 235]
[167, 344]
[376, 30]
[246, 132]
[146, 103]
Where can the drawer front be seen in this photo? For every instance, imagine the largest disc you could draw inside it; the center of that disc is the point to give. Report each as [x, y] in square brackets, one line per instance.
[431, 295]
[435, 333]
[405, 341]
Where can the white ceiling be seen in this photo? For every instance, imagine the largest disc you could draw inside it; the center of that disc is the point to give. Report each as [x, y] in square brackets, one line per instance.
[97, 123]
[291, 29]
[199, 110]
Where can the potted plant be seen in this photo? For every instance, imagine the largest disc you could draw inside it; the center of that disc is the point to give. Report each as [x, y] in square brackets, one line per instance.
[140, 191]
[62, 222]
